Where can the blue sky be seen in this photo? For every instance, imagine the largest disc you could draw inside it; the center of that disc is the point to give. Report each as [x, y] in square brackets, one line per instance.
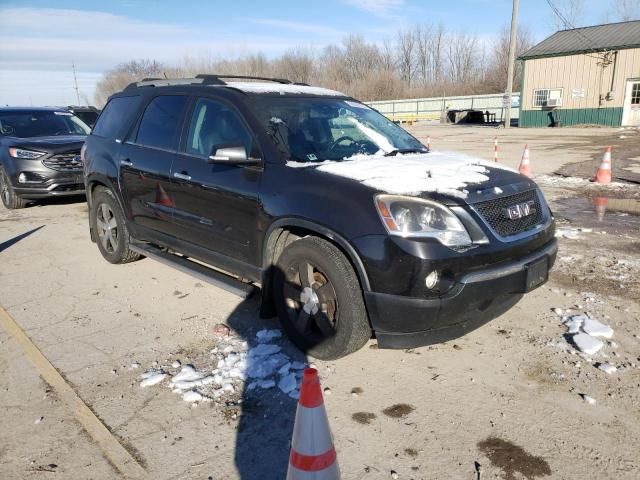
[40, 38]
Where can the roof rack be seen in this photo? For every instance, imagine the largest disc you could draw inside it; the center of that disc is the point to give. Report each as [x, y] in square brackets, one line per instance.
[201, 79]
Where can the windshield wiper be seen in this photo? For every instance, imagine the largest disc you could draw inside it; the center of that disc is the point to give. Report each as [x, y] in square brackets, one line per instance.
[396, 151]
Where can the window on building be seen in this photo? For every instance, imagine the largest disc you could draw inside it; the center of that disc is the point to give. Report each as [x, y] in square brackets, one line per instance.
[635, 94]
[546, 97]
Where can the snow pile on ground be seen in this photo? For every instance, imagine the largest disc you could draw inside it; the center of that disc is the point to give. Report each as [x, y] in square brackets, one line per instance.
[233, 365]
[586, 332]
[438, 172]
[560, 181]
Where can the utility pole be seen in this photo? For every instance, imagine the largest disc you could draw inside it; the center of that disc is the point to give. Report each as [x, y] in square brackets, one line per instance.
[75, 82]
[512, 59]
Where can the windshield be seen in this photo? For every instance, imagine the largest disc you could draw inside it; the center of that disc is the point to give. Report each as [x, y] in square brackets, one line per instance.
[318, 129]
[40, 123]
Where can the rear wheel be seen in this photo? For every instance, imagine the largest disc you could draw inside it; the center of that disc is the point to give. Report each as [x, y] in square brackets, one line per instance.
[10, 199]
[319, 300]
[111, 230]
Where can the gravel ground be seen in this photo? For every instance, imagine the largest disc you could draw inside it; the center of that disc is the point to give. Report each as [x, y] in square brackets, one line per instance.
[510, 400]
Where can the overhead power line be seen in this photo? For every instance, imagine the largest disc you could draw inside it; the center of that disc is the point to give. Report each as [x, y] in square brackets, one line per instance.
[567, 24]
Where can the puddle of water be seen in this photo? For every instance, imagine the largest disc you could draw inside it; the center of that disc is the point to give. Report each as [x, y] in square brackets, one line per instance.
[615, 215]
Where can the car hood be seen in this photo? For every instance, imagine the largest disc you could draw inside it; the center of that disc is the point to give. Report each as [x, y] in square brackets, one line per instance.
[448, 177]
[53, 144]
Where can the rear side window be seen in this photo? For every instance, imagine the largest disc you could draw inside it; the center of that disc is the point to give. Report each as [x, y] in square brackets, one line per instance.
[115, 113]
[160, 124]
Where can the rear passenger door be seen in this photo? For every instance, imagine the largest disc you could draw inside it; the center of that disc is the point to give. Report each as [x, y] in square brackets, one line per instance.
[216, 206]
[145, 164]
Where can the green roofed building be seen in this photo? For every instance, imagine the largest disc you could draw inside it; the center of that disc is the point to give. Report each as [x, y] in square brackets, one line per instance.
[587, 75]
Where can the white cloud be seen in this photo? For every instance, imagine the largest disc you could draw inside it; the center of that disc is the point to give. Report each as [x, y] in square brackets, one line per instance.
[39, 45]
[300, 27]
[380, 8]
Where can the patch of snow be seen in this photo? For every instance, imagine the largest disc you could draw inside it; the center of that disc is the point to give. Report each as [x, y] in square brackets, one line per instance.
[574, 323]
[176, 364]
[192, 396]
[596, 329]
[589, 400]
[152, 377]
[439, 172]
[380, 140]
[282, 89]
[587, 344]
[287, 383]
[264, 349]
[264, 336]
[187, 374]
[607, 367]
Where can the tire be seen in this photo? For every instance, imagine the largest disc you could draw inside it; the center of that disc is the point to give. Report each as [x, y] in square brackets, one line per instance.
[10, 199]
[334, 322]
[108, 223]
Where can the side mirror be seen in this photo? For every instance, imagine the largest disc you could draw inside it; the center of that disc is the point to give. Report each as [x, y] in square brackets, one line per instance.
[231, 154]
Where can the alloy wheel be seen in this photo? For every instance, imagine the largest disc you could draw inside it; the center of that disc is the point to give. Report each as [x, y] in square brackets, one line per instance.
[311, 301]
[107, 228]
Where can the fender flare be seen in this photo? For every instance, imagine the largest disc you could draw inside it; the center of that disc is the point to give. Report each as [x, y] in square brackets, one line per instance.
[321, 230]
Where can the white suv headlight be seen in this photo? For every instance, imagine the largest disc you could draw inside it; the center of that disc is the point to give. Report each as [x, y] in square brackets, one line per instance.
[415, 217]
[25, 154]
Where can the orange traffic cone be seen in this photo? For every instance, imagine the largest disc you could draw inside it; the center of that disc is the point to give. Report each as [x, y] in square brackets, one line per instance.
[600, 204]
[525, 167]
[162, 198]
[603, 174]
[495, 149]
[312, 454]
[429, 143]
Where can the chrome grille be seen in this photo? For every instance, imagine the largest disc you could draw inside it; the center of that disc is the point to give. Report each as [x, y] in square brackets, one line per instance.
[65, 162]
[496, 213]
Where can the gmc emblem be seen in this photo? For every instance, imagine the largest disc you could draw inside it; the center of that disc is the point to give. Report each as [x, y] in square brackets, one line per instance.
[521, 210]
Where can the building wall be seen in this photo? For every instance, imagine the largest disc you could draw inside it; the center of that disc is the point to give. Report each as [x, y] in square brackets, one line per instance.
[582, 82]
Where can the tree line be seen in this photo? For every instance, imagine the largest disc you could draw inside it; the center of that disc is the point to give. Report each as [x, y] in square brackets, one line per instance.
[422, 61]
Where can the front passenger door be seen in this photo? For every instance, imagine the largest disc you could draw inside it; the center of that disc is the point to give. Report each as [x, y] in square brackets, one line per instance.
[217, 206]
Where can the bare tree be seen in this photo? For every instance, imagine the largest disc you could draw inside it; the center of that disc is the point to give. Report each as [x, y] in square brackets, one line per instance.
[571, 10]
[627, 9]
[119, 77]
[496, 78]
[406, 55]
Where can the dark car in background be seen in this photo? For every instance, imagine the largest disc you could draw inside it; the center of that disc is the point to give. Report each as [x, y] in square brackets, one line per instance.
[87, 113]
[39, 154]
[349, 224]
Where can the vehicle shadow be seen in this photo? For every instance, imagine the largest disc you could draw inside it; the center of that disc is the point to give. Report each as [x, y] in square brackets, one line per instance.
[8, 243]
[266, 417]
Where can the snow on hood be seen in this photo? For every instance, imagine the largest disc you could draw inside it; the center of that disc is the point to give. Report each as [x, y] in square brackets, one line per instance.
[448, 173]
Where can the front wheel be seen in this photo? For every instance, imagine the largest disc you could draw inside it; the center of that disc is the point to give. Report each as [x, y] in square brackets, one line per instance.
[319, 299]
[10, 199]
[111, 230]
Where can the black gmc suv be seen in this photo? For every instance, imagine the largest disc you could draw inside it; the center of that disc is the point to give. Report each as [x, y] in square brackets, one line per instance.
[349, 224]
[39, 154]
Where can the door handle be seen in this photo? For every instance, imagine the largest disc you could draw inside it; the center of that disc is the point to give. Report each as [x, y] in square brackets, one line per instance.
[181, 176]
[126, 163]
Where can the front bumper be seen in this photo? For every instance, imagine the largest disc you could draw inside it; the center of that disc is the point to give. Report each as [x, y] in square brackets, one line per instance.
[480, 296]
[53, 183]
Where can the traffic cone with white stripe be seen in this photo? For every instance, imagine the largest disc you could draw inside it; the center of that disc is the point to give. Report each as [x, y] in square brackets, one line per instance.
[525, 167]
[429, 143]
[603, 174]
[313, 456]
[495, 149]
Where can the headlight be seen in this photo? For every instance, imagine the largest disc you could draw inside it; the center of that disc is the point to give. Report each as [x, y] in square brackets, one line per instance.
[414, 217]
[26, 154]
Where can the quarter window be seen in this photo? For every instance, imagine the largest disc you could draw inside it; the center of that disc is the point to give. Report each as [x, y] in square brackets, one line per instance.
[213, 123]
[160, 124]
[109, 122]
